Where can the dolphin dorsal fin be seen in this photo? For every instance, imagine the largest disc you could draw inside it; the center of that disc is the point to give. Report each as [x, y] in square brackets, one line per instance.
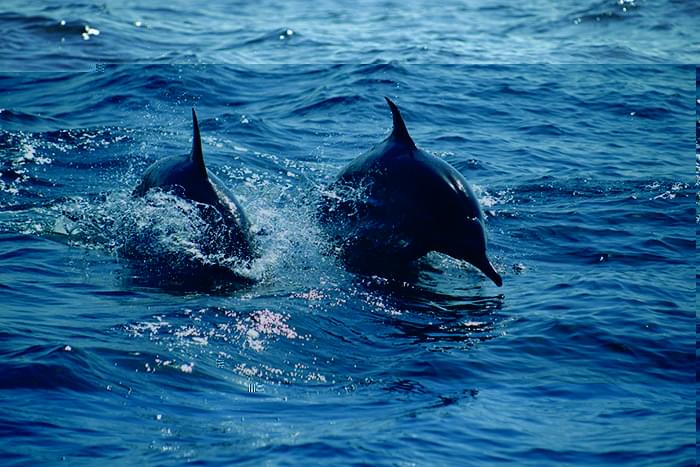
[196, 155]
[400, 133]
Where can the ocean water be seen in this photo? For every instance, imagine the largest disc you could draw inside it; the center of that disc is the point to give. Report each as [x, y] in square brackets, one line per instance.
[585, 355]
[572, 125]
[56, 35]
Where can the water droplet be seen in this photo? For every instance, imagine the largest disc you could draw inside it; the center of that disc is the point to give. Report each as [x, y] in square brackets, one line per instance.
[90, 32]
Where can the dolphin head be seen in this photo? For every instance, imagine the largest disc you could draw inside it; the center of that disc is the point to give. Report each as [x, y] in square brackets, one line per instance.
[466, 240]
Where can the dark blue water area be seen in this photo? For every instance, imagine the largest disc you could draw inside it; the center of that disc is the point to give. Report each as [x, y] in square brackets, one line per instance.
[585, 356]
[57, 34]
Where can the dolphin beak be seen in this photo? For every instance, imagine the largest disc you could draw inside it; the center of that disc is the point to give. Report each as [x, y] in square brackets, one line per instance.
[485, 266]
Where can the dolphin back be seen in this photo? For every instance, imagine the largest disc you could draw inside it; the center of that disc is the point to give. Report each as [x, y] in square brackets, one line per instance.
[186, 176]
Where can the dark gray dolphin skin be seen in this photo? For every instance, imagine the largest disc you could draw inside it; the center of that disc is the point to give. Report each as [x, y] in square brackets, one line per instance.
[187, 177]
[396, 203]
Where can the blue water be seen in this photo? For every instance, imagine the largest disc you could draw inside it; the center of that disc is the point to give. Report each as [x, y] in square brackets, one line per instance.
[58, 34]
[585, 356]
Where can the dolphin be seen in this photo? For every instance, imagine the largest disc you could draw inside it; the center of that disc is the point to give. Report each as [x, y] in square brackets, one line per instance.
[186, 176]
[396, 202]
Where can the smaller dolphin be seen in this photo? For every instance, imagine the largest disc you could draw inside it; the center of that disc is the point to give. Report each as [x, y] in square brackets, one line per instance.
[187, 177]
[396, 203]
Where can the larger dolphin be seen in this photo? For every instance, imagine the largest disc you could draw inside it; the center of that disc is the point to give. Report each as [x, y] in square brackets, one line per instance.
[187, 176]
[396, 203]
